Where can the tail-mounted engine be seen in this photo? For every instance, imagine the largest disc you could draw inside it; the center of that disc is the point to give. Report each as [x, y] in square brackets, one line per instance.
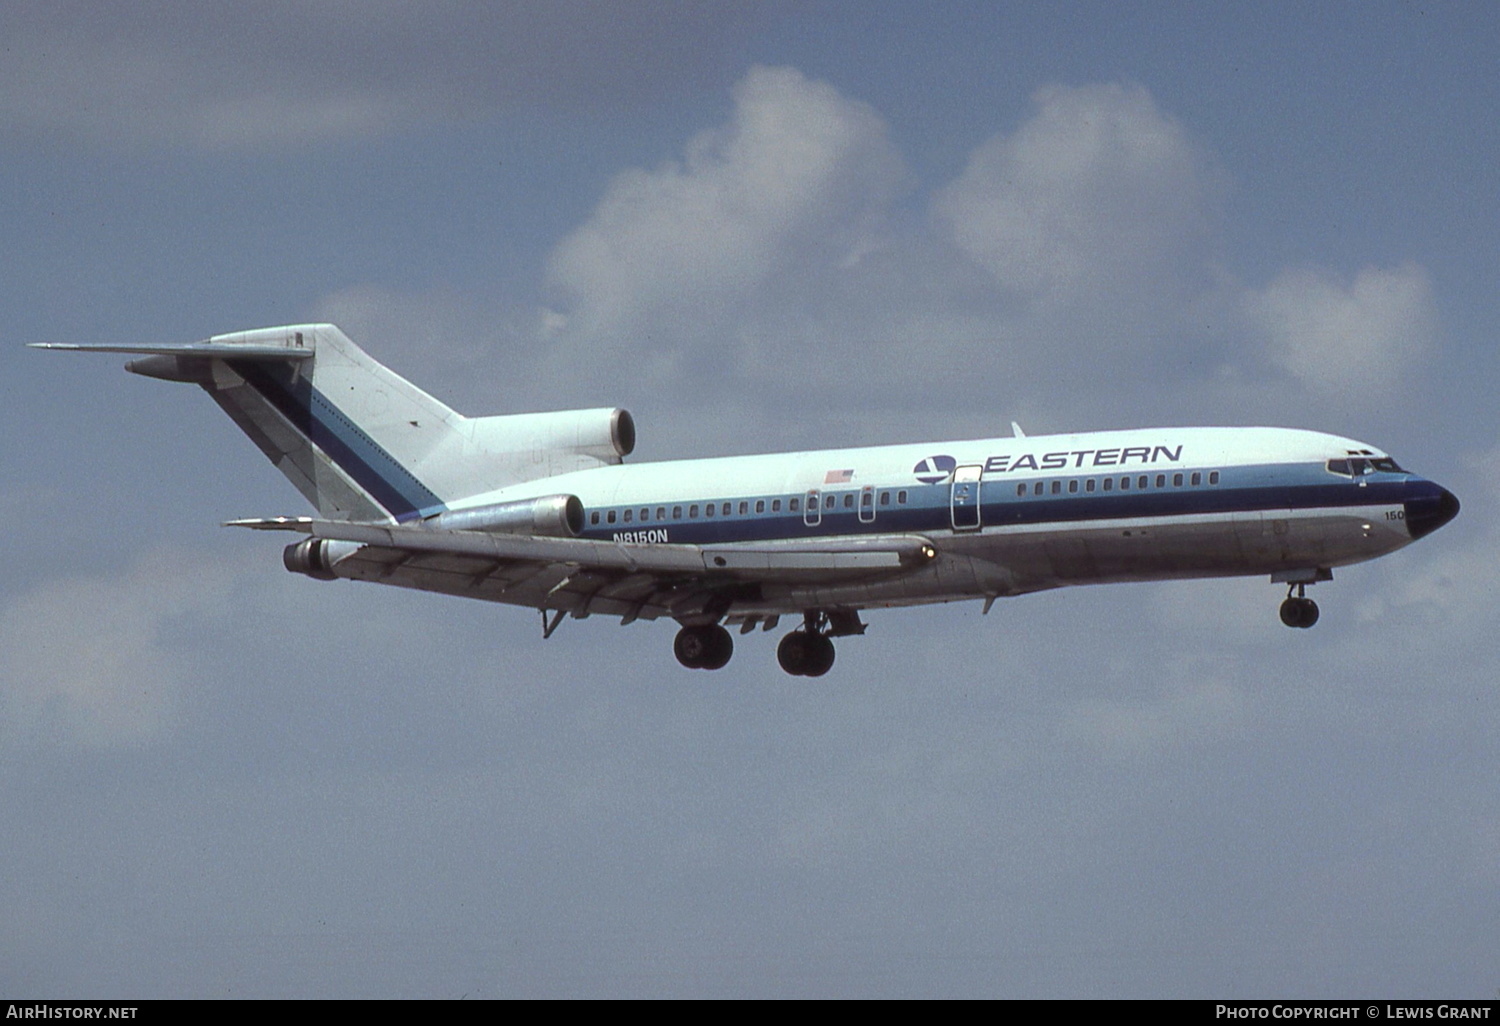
[316, 557]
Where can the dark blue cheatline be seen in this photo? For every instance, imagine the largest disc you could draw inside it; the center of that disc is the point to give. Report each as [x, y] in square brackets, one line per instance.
[354, 452]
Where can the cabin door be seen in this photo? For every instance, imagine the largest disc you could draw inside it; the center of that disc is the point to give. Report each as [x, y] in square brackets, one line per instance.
[963, 501]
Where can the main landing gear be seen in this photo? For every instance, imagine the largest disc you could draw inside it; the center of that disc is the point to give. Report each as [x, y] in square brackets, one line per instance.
[805, 652]
[1300, 611]
[703, 647]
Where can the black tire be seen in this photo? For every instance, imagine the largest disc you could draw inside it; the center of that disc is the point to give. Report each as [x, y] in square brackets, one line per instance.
[720, 646]
[820, 656]
[1291, 613]
[704, 647]
[793, 653]
[1299, 612]
[689, 647]
[1309, 613]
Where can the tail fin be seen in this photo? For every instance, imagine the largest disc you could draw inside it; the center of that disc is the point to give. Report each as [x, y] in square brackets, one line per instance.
[359, 441]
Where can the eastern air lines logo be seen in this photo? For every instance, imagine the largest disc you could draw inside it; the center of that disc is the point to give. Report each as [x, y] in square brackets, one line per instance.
[934, 469]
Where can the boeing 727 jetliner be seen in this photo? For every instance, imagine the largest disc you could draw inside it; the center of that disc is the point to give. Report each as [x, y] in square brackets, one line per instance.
[540, 510]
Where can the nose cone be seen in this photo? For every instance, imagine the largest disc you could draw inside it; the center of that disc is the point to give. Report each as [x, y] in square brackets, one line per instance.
[1426, 513]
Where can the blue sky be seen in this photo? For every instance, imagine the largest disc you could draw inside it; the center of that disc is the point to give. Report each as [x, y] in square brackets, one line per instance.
[771, 226]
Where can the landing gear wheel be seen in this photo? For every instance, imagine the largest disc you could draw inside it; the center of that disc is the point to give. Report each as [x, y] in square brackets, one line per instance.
[820, 655]
[1299, 612]
[805, 654]
[792, 653]
[703, 647]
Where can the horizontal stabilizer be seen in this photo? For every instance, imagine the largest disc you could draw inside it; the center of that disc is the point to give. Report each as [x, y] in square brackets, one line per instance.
[212, 350]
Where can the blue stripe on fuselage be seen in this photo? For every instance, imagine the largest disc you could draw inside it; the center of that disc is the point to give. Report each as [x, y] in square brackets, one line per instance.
[928, 509]
[351, 450]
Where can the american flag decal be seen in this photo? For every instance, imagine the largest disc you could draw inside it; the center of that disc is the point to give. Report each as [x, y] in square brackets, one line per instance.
[838, 477]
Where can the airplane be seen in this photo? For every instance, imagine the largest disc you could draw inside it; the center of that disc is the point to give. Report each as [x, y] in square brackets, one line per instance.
[541, 510]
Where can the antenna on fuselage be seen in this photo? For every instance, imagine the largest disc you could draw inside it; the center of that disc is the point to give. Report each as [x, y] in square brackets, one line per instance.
[1016, 430]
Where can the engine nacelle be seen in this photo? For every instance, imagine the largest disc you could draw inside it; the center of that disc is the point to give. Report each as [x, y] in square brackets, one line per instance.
[544, 444]
[552, 516]
[316, 557]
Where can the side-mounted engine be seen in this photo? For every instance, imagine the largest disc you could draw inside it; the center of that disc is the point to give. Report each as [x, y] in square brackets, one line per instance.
[552, 516]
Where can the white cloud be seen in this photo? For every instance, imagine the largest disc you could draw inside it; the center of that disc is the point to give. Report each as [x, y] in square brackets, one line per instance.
[1097, 190]
[86, 659]
[1068, 271]
[797, 176]
[1338, 338]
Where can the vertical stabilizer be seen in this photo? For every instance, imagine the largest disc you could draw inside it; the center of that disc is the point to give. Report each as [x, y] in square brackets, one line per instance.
[360, 441]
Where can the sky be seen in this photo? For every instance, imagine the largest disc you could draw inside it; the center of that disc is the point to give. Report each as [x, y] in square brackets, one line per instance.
[758, 226]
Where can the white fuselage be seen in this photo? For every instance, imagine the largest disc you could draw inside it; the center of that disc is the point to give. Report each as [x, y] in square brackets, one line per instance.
[1013, 515]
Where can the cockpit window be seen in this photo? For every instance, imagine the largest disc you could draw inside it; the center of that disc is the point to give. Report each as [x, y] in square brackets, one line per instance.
[1357, 466]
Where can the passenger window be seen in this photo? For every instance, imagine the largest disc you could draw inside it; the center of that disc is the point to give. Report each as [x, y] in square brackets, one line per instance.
[885, 498]
[1020, 489]
[775, 505]
[661, 512]
[610, 516]
[1197, 479]
[1124, 484]
[849, 500]
[1143, 482]
[1072, 486]
[760, 505]
[1056, 487]
[725, 510]
[1036, 489]
[692, 511]
[676, 512]
[828, 502]
[1088, 485]
[708, 510]
[1161, 480]
[628, 512]
[1176, 480]
[744, 508]
[901, 497]
[1109, 483]
[792, 504]
[1213, 477]
[645, 515]
[594, 517]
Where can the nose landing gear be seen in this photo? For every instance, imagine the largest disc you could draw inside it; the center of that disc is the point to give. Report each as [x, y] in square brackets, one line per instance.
[1300, 611]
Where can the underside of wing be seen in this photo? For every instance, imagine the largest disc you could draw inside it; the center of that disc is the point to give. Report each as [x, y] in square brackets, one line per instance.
[584, 577]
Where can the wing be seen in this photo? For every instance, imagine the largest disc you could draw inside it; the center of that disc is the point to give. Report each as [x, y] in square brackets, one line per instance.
[583, 576]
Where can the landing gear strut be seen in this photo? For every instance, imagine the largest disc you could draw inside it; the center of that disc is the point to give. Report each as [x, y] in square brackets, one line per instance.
[703, 647]
[1300, 611]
